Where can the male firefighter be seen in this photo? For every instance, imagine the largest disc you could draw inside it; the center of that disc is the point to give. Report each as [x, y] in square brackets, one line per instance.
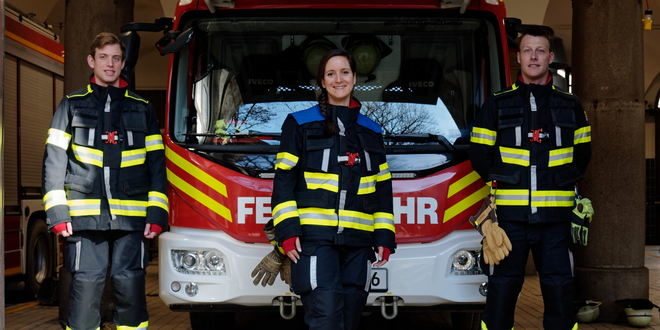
[104, 189]
[533, 142]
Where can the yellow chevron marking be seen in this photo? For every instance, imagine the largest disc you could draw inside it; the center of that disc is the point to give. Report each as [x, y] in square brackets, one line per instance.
[199, 196]
[464, 204]
[462, 183]
[196, 172]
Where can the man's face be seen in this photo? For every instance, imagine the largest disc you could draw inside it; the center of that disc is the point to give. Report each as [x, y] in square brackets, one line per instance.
[107, 64]
[534, 56]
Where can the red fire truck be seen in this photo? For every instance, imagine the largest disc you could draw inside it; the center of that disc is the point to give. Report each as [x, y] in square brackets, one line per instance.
[239, 67]
[33, 84]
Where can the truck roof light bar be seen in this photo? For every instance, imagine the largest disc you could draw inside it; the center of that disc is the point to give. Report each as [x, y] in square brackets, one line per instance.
[212, 4]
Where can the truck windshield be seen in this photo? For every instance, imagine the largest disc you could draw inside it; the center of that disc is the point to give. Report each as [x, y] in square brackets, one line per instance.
[422, 78]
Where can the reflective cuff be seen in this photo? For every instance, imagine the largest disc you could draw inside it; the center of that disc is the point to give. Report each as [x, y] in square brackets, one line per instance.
[384, 220]
[553, 198]
[158, 199]
[582, 135]
[128, 208]
[82, 207]
[142, 326]
[54, 198]
[560, 157]
[283, 211]
[383, 173]
[483, 136]
[154, 142]
[133, 157]
[367, 185]
[285, 161]
[514, 156]
[88, 155]
[327, 181]
[512, 197]
[58, 138]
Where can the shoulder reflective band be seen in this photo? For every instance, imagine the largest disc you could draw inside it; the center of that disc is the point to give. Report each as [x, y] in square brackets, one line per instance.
[283, 211]
[327, 181]
[318, 216]
[81, 207]
[58, 138]
[514, 156]
[285, 161]
[383, 173]
[88, 155]
[54, 198]
[133, 157]
[560, 157]
[356, 220]
[128, 207]
[142, 326]
[154, 142]
[553, 198]
[384, 220]
[582, 135]
[483, 136]
[512, 197]
[367, 185]
[158, 199]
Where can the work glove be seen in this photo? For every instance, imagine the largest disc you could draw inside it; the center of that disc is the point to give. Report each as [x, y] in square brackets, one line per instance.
[496, 243]
[268, 268]
[580, 221]
[285, 271]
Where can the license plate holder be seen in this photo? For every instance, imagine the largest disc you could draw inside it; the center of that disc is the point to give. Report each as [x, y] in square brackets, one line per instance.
[378, 280]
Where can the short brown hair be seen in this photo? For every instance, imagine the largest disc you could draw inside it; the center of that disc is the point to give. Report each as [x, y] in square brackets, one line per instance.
[103, 39]
[536, 31]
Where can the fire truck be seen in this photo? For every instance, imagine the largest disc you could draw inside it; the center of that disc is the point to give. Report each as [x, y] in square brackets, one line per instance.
[239, 67]
[33, 84]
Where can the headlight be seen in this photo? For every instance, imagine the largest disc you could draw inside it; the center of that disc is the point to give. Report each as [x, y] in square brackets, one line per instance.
[465, 262]
[199, 262]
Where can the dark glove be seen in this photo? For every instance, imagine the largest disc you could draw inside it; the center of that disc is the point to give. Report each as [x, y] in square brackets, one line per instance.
[267, 269]
[580, 221]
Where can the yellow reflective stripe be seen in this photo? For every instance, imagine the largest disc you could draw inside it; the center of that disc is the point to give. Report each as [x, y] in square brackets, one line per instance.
[484, 326]
[82, 207]
[283, 211]
[560, 157]
[89, 90]
[513, 88]
[142, 326]
[129, 208]
[553, 198]
[384, 220]
[512, 197]
[462, 183]
[327, 181]
[134, 97]
[483, 136]
[196, 172]
[154, 142]
[88, 155]
[356, 220]
[317, 216]
[285, 161]
[514, 156]
[133, 157]
[199, 196]
[384, 172]
[158, 199]
[58, 138]
[367, 185]
[465, 203]
[582, 135]
[54, 198]
[575, 326]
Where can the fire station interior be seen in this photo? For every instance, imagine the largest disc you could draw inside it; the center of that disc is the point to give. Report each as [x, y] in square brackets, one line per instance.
[151, 76]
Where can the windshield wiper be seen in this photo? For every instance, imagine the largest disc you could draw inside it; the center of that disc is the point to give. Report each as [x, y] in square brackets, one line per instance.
[420, 138]
[243, 134]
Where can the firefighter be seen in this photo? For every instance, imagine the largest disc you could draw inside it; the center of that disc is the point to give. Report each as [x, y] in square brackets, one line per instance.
[332, 199]
[104, 189]
[533, 141]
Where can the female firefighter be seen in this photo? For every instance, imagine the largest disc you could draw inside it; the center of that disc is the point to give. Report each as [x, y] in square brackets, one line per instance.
[332, 199]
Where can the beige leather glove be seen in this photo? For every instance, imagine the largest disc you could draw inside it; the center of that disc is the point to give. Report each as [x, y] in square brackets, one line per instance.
[496, 242]
[267, 269]
[285, 271]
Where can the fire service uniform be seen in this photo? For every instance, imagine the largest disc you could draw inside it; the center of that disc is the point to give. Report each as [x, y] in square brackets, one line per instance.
[335, 193]
[104, 172]
[534, 142]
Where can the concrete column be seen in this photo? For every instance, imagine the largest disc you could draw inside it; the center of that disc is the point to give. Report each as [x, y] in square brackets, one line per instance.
[608, 78]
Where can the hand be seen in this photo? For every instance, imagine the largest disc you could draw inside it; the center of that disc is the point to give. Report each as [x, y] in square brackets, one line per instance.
[383, 256]
[292, 248]
[267, 269]
[152, 230]
[63, 229]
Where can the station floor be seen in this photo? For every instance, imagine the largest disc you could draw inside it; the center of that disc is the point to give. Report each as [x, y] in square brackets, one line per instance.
[529, 311]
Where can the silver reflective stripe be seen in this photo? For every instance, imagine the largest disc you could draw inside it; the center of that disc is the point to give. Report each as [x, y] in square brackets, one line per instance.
[342, 129]
[142, 254]
[317, 216]
[554, 158]
[342, 203]
[570, 258]
[503, 196]
[360, 221]
[518, 136]
[558, 135]
[73, 208]
[133, 157]
[368, 159]
[326, 159]
[107, 104]
[367, 281]
[532, 101]
[312, 272]
[383, 220]
[533, 185]
[282, 211]
[491, 269]
[119, 206]
[129, 136]
[540, 199]
[367, 184]
[284, 161]
[76, 267]
[90, 137]
[331, 182]
[108, 193]
[512, 155]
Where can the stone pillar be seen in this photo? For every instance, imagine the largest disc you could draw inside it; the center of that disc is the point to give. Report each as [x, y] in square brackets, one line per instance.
[608, 78]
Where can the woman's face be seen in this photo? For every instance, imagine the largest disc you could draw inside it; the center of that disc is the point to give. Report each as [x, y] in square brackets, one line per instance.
[338, 80]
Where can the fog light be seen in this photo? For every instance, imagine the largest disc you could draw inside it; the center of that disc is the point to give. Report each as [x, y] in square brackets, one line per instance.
[175, 286]
[465, 262]
[191, 289]
[189, 261]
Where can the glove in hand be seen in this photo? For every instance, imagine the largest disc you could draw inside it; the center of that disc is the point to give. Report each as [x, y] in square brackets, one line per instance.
[496, 243]
[580, 221]
[267, 269]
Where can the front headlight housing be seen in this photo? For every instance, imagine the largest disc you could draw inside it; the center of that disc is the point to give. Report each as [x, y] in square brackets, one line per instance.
[199, 262]
[466, 262]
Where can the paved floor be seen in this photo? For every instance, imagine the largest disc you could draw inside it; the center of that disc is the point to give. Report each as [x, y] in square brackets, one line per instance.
[30, 315]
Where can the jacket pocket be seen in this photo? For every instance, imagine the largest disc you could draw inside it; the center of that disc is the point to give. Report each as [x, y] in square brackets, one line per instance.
[373, 153]
[565, 124]
[72, 253]
[509, 124]
[79, 183]
[83, 124]
[319, 151]
[134, 180]
[135, 123]
[567, 176]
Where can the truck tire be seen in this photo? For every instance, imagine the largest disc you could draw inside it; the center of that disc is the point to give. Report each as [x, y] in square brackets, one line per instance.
[212, 320]
[39, 257]
[466, 320]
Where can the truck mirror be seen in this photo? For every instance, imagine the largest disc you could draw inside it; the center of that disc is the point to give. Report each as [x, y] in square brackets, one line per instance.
[179, 42]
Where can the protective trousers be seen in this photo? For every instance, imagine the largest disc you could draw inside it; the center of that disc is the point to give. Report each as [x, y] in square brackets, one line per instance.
[553, 259]
[87, 255]
[332, 282]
